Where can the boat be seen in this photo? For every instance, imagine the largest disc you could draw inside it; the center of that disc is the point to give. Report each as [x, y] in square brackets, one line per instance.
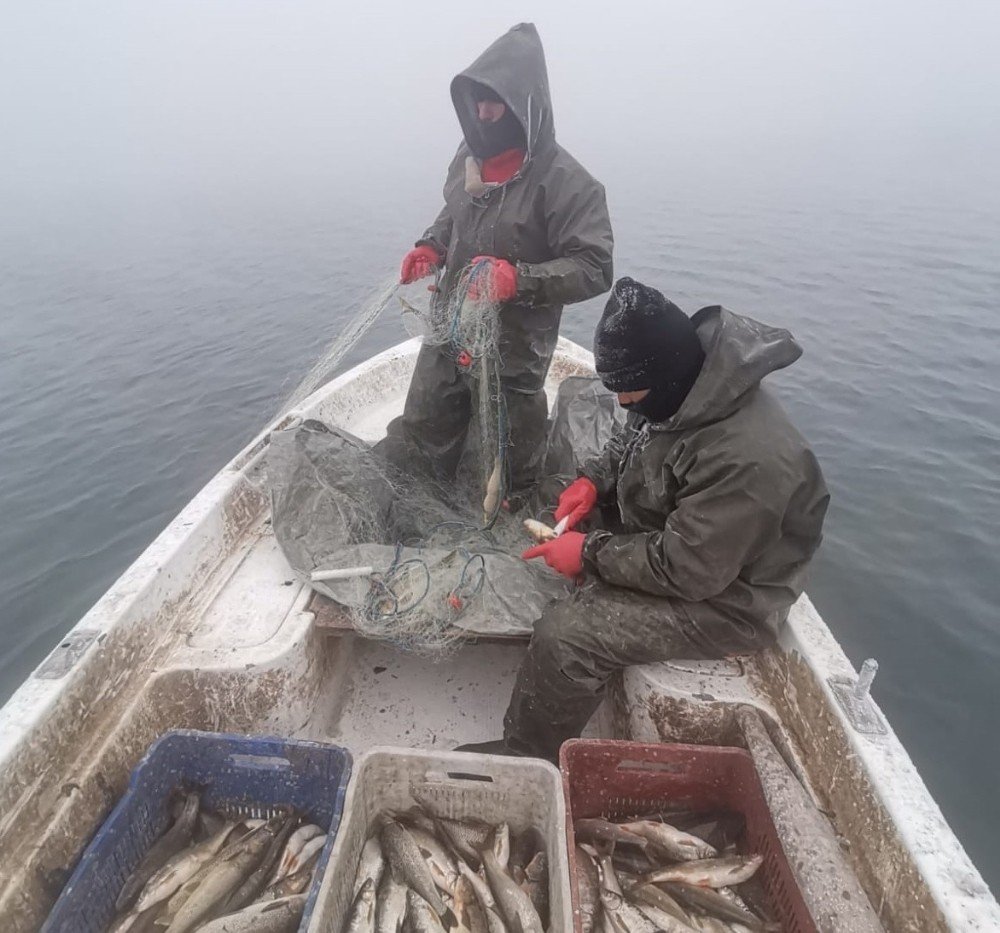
[210, 629]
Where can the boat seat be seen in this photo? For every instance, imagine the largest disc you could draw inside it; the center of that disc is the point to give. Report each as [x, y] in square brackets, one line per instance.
[690, 701]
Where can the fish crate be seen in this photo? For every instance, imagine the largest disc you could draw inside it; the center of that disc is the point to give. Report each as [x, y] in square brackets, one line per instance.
[524, 792]
[613, 779]
[238, 775]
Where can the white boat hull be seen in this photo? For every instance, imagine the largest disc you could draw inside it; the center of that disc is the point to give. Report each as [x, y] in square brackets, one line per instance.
[210, 629]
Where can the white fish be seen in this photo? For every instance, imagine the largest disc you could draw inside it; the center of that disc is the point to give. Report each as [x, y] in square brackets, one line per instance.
[675, 843]
[710, 873]
[515, 906]
[361, 918]
[539, 530]
[442, 866]
[501, 844]
[492, 499]
[311, 848]
[421, 915]
[180, 869]
[494, 922]
[390, 905]
[261, 917]
[296, 843]
[223, 877]
[371, 864]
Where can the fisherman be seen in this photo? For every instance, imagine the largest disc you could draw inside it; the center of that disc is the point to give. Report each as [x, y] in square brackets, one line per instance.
[705, 510]
[516, 199]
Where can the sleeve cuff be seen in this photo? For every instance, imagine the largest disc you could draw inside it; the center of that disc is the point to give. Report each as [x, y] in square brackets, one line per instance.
[434, 245]
[591, 547]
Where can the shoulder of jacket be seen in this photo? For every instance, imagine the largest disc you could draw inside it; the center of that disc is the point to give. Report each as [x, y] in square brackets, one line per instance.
[561, 166]
[457, 164]
[769, 424]
[763, 455]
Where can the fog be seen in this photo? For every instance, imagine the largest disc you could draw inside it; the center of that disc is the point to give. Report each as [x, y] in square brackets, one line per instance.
[240, 95]
[195, 195]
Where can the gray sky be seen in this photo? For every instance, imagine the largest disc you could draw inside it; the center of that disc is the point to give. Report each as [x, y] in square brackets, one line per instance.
[233, 92]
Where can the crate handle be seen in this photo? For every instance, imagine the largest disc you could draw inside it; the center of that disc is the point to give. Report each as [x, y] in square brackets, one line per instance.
[630, 764]
[261, 762]
[469, 776]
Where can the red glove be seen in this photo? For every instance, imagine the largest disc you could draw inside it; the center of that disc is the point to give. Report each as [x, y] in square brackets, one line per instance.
[496, 283]
[563, 554]
[577, 499]
[418, 262]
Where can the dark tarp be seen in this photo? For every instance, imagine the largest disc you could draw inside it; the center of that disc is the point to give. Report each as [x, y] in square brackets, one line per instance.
[335, 503]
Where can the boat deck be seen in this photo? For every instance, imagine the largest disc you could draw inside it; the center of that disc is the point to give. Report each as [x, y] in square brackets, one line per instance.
[404, 699]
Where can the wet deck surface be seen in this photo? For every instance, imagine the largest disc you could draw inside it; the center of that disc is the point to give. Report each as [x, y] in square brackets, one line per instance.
[396, 698]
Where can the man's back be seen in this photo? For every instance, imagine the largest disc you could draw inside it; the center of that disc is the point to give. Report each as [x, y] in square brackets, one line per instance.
[725, 501]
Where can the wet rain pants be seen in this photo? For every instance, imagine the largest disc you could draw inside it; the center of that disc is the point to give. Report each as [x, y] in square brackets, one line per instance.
[580, 642]
[432, 432]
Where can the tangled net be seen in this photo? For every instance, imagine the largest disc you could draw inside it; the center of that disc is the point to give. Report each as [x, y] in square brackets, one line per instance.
[413, 563]
[467, 327]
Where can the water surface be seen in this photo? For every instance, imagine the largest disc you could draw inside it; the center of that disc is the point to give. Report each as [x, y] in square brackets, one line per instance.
[147, 332]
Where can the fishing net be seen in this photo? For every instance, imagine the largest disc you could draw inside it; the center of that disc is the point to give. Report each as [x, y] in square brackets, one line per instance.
[423, 569]
[349, 334]
[466, 324]
[412, 562]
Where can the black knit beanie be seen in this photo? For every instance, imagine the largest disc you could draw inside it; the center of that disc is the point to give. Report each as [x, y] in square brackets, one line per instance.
[644, 341]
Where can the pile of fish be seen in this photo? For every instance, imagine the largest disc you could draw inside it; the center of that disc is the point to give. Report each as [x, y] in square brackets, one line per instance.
[672, 872]
[424, 873]
[213, 875]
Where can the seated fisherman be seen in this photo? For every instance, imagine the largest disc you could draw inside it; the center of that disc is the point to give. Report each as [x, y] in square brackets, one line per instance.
[711, 507]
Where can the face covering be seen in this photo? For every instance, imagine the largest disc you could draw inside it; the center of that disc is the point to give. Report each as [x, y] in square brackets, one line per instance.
[665, 399]
[506, 133]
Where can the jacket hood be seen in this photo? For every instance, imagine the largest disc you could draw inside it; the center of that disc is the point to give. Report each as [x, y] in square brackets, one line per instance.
[514, 67]
[739, 353]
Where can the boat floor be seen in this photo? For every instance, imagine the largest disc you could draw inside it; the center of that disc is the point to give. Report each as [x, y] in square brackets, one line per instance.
[405, 699]
[375, 694]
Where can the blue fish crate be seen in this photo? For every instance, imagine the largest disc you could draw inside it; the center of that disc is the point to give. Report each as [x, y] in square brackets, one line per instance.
[241, 776]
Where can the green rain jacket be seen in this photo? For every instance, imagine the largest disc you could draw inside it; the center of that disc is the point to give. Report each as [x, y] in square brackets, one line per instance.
[550, 220]
[721, 506]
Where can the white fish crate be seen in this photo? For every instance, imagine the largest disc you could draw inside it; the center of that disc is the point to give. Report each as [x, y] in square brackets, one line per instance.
[522, 792]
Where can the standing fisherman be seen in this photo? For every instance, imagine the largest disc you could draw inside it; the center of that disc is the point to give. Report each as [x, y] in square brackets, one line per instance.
[515, 198]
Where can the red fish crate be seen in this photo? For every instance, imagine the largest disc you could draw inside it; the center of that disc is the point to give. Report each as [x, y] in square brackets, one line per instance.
[612, 779]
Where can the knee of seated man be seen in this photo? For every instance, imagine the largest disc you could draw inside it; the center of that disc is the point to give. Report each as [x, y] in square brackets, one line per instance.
[560, 635]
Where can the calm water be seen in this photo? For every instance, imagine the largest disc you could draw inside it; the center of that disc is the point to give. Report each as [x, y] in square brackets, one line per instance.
[145, 339]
